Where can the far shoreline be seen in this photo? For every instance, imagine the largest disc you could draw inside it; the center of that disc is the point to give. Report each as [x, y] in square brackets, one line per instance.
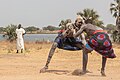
[36, 33]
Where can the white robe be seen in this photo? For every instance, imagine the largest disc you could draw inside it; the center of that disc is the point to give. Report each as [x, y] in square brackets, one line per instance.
[20, 41]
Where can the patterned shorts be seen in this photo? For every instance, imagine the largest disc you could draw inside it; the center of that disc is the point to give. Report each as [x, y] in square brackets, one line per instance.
[101, 43]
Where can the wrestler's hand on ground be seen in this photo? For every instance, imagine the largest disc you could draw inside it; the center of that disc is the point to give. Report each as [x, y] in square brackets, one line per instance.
[103, 73]
[43, 69]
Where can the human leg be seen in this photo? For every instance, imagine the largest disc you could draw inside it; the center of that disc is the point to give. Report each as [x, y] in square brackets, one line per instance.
[21, 50]
[87, 49]
[103, 66]
[85, 60]
[51, 52]
[17, 51]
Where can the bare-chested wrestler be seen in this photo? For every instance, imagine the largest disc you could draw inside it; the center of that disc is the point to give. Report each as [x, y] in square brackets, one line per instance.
[99, 41]
[65, 40]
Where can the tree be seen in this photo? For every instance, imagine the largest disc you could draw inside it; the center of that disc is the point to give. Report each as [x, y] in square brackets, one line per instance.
[10, 32]
[91, 14]
[63, 23]
[2, 29]
[110, 28]
[31, 29]
[115, 11]
[51, 28]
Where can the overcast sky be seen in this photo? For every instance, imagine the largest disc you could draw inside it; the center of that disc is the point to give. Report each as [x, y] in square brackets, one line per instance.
[41, 13]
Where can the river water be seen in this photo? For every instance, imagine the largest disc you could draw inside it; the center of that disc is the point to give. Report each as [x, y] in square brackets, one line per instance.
[38, 37]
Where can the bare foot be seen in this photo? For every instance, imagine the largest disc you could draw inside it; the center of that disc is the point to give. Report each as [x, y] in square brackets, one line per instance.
[88, 71]
[43, 69]
[79, 72]
[83, 72]
[103, 73]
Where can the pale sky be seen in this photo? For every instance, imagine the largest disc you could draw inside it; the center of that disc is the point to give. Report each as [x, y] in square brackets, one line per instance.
[41, 13]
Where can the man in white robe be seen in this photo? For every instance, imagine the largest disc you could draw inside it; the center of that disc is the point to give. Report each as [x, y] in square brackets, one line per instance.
[20, 42]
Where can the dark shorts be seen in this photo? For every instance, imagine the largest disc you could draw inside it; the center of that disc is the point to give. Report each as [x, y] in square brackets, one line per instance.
[68, 43]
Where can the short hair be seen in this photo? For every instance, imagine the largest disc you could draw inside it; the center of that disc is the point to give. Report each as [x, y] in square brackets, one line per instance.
[79, 19]
[88, 21]
[19, 26]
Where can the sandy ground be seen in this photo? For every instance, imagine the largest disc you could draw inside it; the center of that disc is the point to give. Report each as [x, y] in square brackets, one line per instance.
[26, 66]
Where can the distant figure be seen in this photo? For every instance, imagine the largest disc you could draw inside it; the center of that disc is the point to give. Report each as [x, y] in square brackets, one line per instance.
[20, 42]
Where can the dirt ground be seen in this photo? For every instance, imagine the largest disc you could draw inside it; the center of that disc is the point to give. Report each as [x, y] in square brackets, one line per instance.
[26, 66]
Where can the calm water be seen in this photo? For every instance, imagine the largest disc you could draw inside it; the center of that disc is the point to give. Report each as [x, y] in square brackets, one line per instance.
[39, 37]
[34, 37]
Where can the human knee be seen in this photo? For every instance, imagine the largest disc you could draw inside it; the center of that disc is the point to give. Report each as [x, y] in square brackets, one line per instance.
[54, 45]
[88, 51]
[85, 50]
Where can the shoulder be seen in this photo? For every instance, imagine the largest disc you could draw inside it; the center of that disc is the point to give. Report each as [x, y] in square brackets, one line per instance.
[84, 26]
[22, 28]
[88, 25]
[91, 25]
[17, 29]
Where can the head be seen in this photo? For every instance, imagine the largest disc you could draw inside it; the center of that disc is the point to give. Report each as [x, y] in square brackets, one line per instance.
[19, 26]
[79, 22]
[69, 21]
[88, 21]
[69, 26]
